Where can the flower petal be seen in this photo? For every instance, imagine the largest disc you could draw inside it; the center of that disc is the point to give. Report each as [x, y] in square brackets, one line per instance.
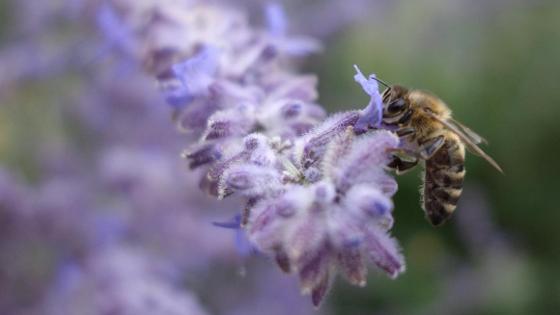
[384, 252]
[352, 265]
[317, 139]
[250, 180]
[282, 260]
[192, 77]
[313, 268]
[366, 160]
[372, 115]
[320, 290]
[277, 24]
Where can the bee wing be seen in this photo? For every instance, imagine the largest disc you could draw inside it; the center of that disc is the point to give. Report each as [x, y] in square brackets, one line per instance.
[473, 136]
[469, 143]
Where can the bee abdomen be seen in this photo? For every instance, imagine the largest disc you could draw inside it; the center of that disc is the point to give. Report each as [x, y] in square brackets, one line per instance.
[443, 181]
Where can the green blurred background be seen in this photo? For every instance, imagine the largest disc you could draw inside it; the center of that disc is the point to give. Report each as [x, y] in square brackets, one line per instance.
[496, 64]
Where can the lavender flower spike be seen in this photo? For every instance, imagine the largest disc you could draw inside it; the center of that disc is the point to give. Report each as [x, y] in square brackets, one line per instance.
[316, 194]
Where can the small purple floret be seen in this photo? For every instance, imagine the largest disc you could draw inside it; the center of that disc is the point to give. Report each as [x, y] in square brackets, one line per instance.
[276, 19]
[371, 116]
[115, 29]
[194, 75]
[233, 223]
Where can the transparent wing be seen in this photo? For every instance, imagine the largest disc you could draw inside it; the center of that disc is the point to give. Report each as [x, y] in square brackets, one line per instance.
[473, 136]
[469, 143]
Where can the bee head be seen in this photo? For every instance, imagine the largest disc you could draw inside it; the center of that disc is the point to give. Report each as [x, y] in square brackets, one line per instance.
[394, 101]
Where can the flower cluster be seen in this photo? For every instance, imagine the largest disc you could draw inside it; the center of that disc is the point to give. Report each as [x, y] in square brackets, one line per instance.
[334, 217]
[118, 281]
[100, 201]
[317, 197]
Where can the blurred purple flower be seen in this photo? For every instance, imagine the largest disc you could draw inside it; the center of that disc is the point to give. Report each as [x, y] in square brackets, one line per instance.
[192, 77]
[119, 281]
[118, 34]
[277, 23]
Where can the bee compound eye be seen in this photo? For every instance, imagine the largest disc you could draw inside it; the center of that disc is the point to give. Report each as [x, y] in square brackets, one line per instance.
[396, 106]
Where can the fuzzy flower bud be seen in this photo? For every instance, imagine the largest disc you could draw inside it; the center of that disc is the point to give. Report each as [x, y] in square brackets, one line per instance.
[337, 223]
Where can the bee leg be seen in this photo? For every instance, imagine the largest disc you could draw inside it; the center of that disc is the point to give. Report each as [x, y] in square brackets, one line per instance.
[430, 147]
[402, 166]
[405, 132]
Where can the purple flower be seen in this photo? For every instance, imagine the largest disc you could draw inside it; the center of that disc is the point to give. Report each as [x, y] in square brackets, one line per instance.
[315, 192]
[276, 19]
[339, 222]
[371, 116]
[119, 280]
[278, 29]
[191, 77]
[117, 221]
[115, 30]
[314, 143]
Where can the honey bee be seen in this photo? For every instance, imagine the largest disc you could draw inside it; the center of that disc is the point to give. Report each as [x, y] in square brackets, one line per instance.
[429, 133]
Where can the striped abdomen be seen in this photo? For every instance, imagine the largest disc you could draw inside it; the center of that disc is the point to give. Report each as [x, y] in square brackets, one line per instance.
[443, 180]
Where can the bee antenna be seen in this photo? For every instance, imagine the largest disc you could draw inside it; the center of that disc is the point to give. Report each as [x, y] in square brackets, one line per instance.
[382, 82]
